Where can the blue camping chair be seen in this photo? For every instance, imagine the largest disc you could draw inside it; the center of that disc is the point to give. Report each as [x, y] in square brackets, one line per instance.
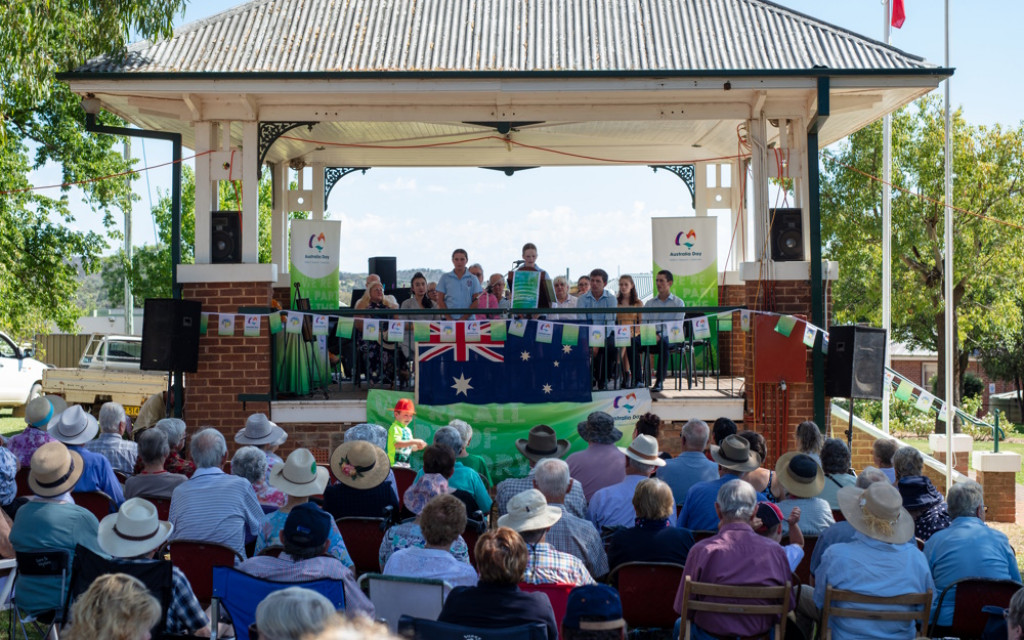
[241, 593]
[420, 629]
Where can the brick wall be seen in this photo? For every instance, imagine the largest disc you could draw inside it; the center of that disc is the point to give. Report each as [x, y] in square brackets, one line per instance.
[913, 369]
[999, 491]
[731, 344]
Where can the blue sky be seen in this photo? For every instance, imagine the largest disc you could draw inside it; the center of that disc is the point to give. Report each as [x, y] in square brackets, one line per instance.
[582, 218]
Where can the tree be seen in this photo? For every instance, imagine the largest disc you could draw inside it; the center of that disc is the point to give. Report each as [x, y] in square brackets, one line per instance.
[1004, 360]
[41, 121]
[988, 256]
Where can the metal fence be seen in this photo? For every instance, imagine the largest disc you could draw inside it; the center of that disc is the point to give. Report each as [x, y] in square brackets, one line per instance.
[60, 349]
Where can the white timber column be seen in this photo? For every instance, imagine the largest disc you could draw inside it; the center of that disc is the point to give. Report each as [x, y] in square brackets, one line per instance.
[740, 248]
[798, 169]
[714, 192]
[250, 192]
[279, 219]
[757, 131]
[205, 188]
[318, 199]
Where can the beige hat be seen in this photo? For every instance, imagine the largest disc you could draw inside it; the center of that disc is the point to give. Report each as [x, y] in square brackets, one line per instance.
[800, 474]
[877, 512]
[259, 430]
[360, 464]
[38, 412]
[54, 470]
[735, 454]
[644, 448]
[134, 530]
[299, 475]
[529, 511]
[73, 426]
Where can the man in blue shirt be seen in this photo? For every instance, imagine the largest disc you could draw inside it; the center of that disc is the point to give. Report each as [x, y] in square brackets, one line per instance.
[598, 298]
[735, 458]
[690, 466]
[458, 288]
[665, 298]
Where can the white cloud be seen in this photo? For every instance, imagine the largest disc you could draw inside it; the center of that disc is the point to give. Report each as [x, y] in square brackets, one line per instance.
[398, 184]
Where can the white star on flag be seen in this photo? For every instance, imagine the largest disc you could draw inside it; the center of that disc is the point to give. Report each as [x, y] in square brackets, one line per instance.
[546, 388]
[525, 356]
[567, 348]
[462, 385]
[557, 363]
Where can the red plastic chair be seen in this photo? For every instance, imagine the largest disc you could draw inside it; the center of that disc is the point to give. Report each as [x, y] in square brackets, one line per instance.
[21, 479]
[404, 477]
[557, 593]
[837, 515]
[196, 559]
[971, 595]
[97, 503]
[163, 505]
[648, 593]
[362, 538]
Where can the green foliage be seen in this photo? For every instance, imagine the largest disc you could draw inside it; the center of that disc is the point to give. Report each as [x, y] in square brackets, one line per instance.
[1003, 357]
[973, 386]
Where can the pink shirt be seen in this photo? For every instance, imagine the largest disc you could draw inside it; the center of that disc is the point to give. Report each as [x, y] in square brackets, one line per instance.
[596, 467]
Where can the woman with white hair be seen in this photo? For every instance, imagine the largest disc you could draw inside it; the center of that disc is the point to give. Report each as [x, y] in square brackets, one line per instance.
[251, 463]
[174, 429]
[292, 614]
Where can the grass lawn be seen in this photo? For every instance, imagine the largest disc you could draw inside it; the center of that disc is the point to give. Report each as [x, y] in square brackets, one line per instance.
[9, 425]
[921, 444]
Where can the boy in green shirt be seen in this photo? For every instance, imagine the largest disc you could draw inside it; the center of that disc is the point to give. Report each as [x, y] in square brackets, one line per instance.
[401, 444]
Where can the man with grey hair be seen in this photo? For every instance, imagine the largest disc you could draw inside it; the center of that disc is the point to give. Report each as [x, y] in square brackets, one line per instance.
[968, 548]
[563, 300]
[463, 478]
[111, 444]
[571, 534]
[612, 506]
[473, 461]
[153, 481]
[214, 506]
[691, 466]
[734, 556]
[842, 531]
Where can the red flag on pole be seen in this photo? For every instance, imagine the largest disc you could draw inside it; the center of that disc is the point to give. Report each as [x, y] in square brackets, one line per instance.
[898, 15]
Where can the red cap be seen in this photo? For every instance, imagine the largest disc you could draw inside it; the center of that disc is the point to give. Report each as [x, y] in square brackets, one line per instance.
[404, 404]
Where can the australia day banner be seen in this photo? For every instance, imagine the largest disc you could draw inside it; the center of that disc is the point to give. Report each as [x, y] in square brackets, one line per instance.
[688, 247]
[314, 259]
[496, 427]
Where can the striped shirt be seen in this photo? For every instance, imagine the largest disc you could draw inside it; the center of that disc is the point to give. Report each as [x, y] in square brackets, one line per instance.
[575, 501]
[578, 537]
[215, 507]
[284, 568]
[120, 452]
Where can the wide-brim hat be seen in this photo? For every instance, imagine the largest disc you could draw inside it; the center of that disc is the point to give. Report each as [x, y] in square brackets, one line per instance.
[59, 403]
[644, 448]
[360, 464]
[39, 411]
[54, 470]
[429, 486]
[542, 442]
[734, 453]
[299, 475]
[599, 428]
[918, 492]
[877, 512]
[259, 430]
[800, 474]
[73, 426]
[529, 511]
[134, 530]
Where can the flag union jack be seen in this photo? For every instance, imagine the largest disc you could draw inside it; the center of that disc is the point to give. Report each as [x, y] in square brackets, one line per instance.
[485, 348]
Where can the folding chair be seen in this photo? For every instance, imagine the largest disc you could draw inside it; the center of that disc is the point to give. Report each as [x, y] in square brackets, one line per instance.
[41, 564]
[155, 574]
[969, 596]
[558, 595]
[404, 477]
[8, 573]
[97, 503]
[849, 598]
[21, 480]
[420, 629]
[240, 594]
[362, 538]
[732, 608]
[398, 596]
[475, 525]
[648, 593]
[196, 559]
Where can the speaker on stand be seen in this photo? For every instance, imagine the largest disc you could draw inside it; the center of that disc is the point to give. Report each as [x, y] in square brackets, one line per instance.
[856, 366]
[170, 335]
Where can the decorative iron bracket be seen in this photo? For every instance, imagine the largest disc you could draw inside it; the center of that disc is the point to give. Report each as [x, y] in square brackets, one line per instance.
[685, 172]
[333, 174]
[269, 132]
[508, 171]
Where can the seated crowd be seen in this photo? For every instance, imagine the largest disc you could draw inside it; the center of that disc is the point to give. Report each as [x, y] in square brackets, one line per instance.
[715, 512]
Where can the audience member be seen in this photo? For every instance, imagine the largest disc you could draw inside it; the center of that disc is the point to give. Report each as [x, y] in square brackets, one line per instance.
[601, 464]
[176, 463]
[628, 297]
[597, 298]
[376, 435]
[835, 463]
[111, 444]
[690, 466]
[152, 411]
[664, 299]
[531, 517]
[761, 479]
[362, 489]
[582, 287]
[920, 497]
[293, 614]
[612, 506]
[458, 289]
[477, 270]
[38, 413]
[700, 508]
[968, 548]
[722, 429]
[649, 424]
[74, 427]
[251, 464]
[153, 480]
[378, 353]
[364, 300]
[443, 521]
[569, 534]
[471, 460]
[1015, 616]
[883, 451]
[400, 442]
[266, 436]
[134, 534]
[306, 538]
[116, 606]
[843, 531]
[652, 538]
[881, 560]
[214, 506]
[768, 522]
[496, 602]
[440, 460]
[593, 612]
[801, 480]
[563, 300]
[463, 477]
[299, 478]
[809, 440]
[409, 534]
[541, 443]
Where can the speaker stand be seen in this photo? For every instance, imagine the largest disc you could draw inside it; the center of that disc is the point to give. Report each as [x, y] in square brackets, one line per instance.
[849, 428]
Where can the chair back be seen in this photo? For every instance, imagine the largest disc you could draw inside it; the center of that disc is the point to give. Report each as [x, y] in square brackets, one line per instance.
[240, 594]
[728, 601]
[362, 539]
[21, 480]
[157, 575]
[397, 596]
[648, 592]
[837, 515]
[196, 559]
[45, 564]
[420, 629]
[8, 572]
[97, 503]
[163, 505]
[404, 477]
[851, 599]
[557, 593]
[471, 534]
[701, 534]
[803, 570]
[969, 596]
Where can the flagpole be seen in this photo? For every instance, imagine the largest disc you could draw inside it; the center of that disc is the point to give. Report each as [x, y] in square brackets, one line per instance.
[948, 211]
[887, 233]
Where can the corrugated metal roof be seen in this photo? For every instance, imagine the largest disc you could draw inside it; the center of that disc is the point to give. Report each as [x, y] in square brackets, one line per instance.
[299, 36]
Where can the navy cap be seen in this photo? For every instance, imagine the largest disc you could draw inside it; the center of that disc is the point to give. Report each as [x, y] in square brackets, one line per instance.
[307, 525]
[593, 607]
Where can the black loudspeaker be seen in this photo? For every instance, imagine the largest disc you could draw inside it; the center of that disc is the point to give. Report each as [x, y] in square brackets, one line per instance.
[787, 235]
[225, 237]
[856, 362]
[170, 335]
[387, 268]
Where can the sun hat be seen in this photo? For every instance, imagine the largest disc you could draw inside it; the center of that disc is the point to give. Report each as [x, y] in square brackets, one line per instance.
[599, 428]
[644, 448]
[529, 511]
[877, 512]
[918, 492]
[260, 430]
[73, 426]
[593, 607]
[54, 470]
[800, 474]
[59, 403]
[404, 404]
[39, 411]
[299, 475]
[307, 525]
[430, 485]
[372, 433]
[134, 530]
[735, 454]
[542, 442]
[770, 515]
[360, 464]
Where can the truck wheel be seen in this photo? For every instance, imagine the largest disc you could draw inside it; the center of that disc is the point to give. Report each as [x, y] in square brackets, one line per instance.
[36, 391]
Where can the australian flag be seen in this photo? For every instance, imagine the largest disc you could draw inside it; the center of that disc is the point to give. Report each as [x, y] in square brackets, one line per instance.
[519, 370]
